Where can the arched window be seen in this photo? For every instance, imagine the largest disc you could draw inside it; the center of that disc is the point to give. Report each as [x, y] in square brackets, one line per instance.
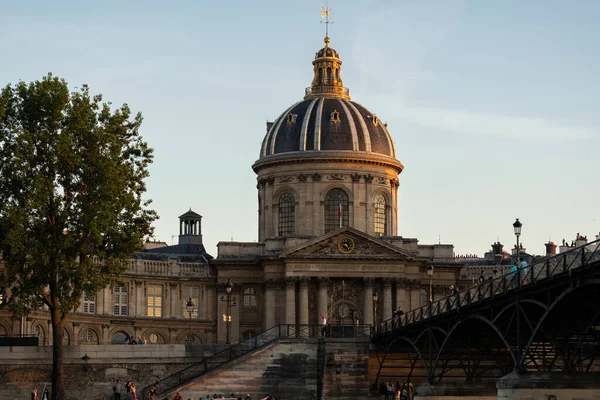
[287, 214]
[320, 75]
[153, 338]
[329, 76]
[336, 210]
[250, 298]
[379, 208]
[120, 338]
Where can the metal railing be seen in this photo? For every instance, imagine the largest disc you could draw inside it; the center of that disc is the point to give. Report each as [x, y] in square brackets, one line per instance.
[283, 331]
[501, 285]
[327, 89]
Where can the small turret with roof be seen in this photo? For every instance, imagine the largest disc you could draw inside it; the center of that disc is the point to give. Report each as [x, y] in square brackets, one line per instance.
[189, 247]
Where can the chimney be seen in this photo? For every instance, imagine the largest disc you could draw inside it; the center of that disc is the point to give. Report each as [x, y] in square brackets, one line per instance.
[550, 249]
[497, 250]
[580, 240]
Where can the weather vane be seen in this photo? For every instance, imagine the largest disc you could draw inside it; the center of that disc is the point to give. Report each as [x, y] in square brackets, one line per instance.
[326, 13]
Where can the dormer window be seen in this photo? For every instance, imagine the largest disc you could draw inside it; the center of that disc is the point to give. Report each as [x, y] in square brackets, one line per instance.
[375, 120]
[335, 117]
[291, 118]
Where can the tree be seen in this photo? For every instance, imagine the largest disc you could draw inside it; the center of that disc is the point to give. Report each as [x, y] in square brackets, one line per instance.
[72, 176]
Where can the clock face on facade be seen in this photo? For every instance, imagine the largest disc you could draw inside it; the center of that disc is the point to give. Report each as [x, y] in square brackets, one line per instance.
[346, 245]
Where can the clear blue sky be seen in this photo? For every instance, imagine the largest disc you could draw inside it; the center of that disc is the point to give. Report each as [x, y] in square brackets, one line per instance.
[493, 105]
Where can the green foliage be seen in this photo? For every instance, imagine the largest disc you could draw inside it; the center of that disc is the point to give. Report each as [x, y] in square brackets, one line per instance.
[72, 176]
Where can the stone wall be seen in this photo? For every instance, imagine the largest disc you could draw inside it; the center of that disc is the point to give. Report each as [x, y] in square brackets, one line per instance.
[23, 368]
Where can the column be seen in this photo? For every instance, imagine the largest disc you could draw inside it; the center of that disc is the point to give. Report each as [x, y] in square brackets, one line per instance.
[402, 295]
[290, 301]
[270, 305]
[387, 299]
[322, 303]
[415, 295]
[303, 307]
[368, 301]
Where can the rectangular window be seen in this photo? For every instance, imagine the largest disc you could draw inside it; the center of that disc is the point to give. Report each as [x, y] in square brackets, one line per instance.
[89, 304]
[120, 298]
[192, 292]
[154, 293]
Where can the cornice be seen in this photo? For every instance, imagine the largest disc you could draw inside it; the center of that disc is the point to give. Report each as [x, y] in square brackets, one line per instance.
[337, 156]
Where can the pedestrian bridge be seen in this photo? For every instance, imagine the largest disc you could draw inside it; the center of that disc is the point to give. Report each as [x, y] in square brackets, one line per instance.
[544, 318]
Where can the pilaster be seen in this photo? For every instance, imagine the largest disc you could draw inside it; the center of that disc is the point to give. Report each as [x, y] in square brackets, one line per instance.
[138, 297]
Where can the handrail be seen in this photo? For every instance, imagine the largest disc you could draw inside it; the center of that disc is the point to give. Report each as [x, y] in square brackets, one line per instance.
[530, 275]
[272, 335]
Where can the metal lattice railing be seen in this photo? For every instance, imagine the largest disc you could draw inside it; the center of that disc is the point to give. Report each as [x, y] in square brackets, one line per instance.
[166, 385]
[526, 276]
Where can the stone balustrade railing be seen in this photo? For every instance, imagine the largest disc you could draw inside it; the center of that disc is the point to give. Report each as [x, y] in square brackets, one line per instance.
[168, 268]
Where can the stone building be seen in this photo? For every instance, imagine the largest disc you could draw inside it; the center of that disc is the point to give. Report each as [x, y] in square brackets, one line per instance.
[327, 181]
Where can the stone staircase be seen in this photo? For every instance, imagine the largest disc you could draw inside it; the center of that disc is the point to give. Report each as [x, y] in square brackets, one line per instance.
[166, 385]
[288, 361]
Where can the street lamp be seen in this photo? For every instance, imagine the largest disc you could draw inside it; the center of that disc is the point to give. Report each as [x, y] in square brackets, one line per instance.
[375, 300]
[430, 273]
[190, 309]
[517, 227]
[230, 303]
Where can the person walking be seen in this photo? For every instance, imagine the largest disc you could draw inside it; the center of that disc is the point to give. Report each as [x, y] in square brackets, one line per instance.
[46, 395]
[323, 326]
[177, 396]
[34, 395]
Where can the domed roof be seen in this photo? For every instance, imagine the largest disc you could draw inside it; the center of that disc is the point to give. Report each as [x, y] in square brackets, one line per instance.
[326, 121]
[327, 51]
[324, 124]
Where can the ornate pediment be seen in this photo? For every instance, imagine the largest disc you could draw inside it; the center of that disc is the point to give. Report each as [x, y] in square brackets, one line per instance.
[346, 242]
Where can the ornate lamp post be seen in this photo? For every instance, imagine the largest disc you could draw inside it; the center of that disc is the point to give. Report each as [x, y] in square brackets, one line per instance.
[230, 302]
[517, 227]
[190, 309]
[430, 273]
[375, 301]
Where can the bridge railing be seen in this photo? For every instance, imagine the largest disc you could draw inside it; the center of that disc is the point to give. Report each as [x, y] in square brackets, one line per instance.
[529, 275]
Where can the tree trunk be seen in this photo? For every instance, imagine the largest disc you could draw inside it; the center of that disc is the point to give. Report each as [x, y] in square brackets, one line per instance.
[58, 376]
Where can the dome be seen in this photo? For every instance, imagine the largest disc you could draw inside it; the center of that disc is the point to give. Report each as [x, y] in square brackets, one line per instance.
[327, 51]
[327, 121]
[327, 124]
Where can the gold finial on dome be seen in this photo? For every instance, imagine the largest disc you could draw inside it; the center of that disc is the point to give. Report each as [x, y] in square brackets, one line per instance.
[327, 81]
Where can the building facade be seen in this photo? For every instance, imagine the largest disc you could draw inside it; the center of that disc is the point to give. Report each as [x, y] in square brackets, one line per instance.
[327, 181]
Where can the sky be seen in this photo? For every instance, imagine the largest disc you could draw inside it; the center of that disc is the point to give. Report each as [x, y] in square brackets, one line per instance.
[492, 105]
